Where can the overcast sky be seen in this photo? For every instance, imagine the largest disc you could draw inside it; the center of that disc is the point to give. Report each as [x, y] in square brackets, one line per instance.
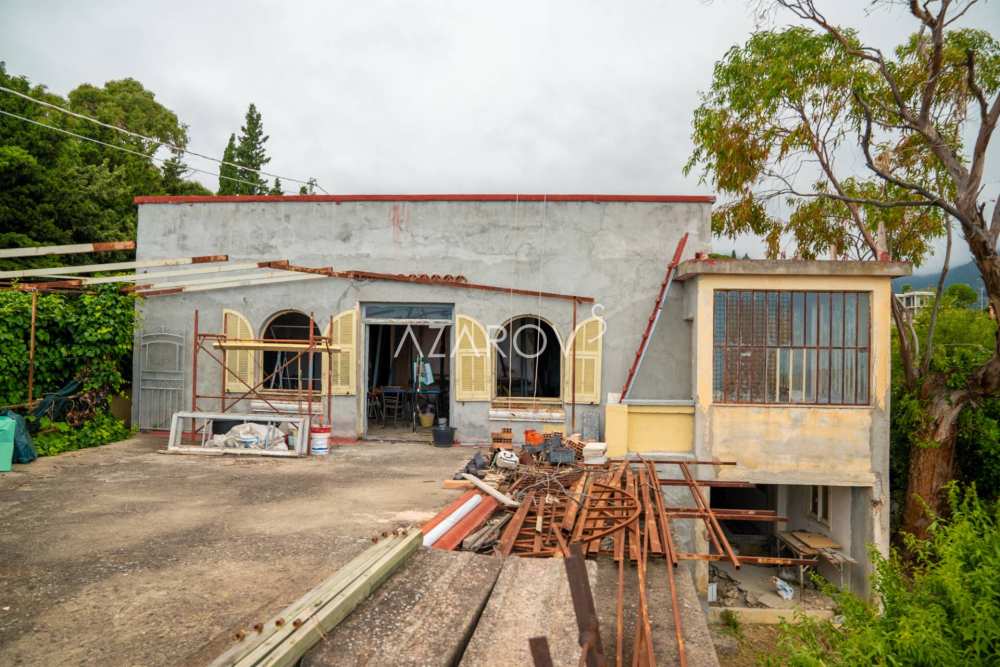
[427, 97]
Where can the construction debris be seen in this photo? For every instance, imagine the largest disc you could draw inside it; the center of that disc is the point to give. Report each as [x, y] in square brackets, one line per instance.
[614, 509]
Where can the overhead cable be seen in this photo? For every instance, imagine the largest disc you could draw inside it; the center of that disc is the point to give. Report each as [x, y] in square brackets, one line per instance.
[121, 148]
[172, 147]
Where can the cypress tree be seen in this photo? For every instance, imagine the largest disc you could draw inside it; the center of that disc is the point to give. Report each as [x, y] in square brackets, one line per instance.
[276, 188]
[251, 155]
[227, 172]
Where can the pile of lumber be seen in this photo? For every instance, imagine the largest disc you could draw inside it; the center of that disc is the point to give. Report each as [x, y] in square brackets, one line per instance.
[286, 637]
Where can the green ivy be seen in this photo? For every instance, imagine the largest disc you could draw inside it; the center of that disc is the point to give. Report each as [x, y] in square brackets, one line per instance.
[87, 337]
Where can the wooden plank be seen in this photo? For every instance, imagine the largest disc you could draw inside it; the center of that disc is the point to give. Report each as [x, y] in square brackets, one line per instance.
[40, 251]
[325, 589]
[815, 540]
[489, 490]
[457, 484]
[113, 266]
[229, 283]
[283, 649]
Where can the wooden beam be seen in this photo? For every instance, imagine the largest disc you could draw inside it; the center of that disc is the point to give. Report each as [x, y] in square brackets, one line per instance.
[154, 281]
[284, 648]
[490, 491]
[40, 251]
[113, 266]
[331, 585]
[226, 284]
[157, 276]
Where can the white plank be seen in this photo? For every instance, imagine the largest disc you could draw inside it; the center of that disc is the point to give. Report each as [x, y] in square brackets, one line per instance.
[236, 283]
[40, 251]
[111, 266]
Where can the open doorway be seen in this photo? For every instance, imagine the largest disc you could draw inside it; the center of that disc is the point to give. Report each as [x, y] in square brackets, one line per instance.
[408, 378]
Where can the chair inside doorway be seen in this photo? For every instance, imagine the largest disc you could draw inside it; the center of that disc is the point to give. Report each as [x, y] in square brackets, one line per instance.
[408, 380]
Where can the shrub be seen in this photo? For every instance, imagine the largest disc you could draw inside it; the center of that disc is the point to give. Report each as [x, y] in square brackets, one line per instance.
[58, 437]
[941, 609]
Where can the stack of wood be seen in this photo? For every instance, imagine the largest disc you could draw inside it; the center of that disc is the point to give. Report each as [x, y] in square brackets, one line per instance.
[285, 638]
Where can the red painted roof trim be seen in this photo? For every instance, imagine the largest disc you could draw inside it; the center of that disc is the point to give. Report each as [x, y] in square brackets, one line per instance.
[220, 199]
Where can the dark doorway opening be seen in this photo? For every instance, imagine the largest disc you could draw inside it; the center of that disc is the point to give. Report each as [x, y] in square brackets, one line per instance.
[408, 380]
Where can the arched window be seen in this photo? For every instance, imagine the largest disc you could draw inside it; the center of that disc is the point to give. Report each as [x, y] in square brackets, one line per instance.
[528, 359]
[286, 366]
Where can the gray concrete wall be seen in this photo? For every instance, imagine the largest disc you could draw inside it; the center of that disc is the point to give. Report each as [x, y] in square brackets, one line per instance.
[615, 252]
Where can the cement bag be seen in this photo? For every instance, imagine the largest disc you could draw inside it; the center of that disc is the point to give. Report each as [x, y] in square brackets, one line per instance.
[256, 436]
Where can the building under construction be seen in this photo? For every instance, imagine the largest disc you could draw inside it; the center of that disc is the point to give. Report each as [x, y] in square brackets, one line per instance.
[383, 315]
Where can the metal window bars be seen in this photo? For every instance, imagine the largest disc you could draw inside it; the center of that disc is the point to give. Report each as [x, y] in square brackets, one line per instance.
[792, 347]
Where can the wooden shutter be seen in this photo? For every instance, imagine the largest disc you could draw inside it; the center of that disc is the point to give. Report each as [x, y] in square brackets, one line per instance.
[589, 337]
[340, 378]
[473, 361]
[240, 364]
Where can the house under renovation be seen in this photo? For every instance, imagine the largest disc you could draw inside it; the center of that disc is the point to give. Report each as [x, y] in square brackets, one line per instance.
[526, 313]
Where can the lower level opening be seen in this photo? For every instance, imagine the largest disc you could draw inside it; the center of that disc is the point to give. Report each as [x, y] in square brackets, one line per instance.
[408, 379]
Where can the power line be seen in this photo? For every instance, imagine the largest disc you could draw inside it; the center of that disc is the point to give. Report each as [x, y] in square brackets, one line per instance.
[121, 148]
[154, 140]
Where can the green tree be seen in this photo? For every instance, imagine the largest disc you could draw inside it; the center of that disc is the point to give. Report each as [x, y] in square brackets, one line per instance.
[276, 188]
[58, 189]
[790, 99]
[228, 171]
[251, 155]
[309, 188]
[961, 295]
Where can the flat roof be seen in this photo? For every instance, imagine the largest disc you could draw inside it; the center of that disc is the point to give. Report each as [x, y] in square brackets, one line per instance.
[338, 199]
[792, 267]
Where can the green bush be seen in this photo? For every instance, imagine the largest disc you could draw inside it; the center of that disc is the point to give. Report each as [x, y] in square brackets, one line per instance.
[58, 437]
[943, 609]
[87, 337]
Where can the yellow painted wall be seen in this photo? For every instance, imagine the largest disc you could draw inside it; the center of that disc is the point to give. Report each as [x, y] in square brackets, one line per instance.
[648, 428]
[777, 440]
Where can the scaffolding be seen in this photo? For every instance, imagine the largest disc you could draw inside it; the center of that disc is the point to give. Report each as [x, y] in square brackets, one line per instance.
[295, 353]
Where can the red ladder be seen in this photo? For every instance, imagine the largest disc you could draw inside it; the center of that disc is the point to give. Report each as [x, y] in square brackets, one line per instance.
[654, 316]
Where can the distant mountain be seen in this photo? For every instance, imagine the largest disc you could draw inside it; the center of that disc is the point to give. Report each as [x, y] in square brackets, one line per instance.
[966, 273]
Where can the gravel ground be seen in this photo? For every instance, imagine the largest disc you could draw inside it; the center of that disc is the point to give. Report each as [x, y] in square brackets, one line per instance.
[122, 556]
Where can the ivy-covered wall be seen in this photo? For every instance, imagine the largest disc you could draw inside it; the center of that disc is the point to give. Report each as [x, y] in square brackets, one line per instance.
[87, 337]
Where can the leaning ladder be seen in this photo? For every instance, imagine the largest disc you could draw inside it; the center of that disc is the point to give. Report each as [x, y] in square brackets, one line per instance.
[654, 317]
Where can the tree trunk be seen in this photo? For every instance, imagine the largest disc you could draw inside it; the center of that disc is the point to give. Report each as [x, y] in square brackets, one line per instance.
[932, 464]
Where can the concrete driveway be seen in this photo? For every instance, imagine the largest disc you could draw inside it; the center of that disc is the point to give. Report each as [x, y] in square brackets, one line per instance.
[122, 556]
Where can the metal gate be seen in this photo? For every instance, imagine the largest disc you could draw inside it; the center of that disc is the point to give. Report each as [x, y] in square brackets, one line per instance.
[161, 378]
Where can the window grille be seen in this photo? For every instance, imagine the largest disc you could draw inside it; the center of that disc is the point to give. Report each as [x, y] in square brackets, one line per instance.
[791, 347]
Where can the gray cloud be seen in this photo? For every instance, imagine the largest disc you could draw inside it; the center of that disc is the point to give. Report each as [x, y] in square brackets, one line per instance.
[383, 97]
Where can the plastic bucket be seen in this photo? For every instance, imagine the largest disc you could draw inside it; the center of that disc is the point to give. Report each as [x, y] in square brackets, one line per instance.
[427, 419]
[444, 436]
[7, 427]
[319, 440]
